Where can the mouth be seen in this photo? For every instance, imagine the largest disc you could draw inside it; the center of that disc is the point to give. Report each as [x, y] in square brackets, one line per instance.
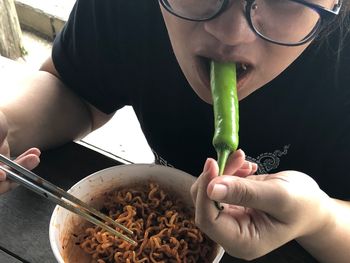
[242, 71]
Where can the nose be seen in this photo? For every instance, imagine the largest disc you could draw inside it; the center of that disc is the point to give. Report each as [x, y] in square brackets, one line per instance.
[231, 27]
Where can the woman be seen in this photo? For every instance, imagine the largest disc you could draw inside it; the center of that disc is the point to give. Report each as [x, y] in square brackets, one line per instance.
[262, 212]
[293, 108]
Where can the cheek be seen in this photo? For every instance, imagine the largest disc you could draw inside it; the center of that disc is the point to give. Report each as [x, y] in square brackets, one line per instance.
[175, 28]
[181, 32]
[272, 61]
[183, 36]
[280, 57]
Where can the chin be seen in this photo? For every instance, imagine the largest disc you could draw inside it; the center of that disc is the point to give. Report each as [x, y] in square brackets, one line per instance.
[202, 92]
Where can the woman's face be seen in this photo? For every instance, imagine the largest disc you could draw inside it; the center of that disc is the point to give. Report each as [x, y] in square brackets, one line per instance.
[228, 37]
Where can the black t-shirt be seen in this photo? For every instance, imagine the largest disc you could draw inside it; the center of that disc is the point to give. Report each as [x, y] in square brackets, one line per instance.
[115, 53]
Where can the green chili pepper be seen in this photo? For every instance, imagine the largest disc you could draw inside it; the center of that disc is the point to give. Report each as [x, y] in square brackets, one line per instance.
[225, 104]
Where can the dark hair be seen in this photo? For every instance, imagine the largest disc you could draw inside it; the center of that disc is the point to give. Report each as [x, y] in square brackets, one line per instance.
[334, 37]
[340, 25]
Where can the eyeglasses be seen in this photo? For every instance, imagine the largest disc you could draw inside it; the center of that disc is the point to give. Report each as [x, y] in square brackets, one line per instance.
[283, 22]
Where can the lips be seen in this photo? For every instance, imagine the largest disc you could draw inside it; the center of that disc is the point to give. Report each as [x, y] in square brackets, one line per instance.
[242, 68]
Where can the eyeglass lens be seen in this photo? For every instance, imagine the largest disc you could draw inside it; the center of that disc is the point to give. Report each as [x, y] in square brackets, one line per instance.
[278, 20]
[283, 21]
[194, 9]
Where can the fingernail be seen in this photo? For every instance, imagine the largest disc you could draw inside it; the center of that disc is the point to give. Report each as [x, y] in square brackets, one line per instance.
[206, 166]
[219, 192]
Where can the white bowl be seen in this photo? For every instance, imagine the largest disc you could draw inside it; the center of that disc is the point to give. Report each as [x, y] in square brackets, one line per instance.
[64, 224]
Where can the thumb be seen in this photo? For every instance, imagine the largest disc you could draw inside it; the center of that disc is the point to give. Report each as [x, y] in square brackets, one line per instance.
[252, 191]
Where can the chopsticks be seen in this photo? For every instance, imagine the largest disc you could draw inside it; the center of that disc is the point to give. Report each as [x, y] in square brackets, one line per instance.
[60, 197]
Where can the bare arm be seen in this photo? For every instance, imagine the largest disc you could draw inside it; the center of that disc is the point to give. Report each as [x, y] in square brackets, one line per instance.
[45, 113]
[332, 243]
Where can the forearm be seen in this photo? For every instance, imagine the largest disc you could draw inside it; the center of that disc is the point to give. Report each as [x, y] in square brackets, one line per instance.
[332, 243]
[44, 113]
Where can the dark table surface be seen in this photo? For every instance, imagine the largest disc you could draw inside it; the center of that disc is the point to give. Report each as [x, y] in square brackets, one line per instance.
[25, 216]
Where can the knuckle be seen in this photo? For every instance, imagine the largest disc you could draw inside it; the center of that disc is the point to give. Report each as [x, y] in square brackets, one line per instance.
[241, 193]
[203, 221]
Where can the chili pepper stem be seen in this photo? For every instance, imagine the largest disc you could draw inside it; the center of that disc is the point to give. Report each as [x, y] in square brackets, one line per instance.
[219, 206]
[223, 155]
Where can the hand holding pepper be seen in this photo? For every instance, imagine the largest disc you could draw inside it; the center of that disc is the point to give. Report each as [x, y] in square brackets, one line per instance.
[261, 212]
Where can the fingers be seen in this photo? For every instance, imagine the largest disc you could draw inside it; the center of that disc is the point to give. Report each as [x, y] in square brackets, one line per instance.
[248, 168]
[234, 162]
[29, 153]
[194, 188]
[237, 165]
[219, 226]
[29, 159]
[248, 192]
[34, 151]
[203, 204]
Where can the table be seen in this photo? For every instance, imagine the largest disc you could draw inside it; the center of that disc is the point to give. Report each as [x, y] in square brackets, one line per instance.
[25, 216]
